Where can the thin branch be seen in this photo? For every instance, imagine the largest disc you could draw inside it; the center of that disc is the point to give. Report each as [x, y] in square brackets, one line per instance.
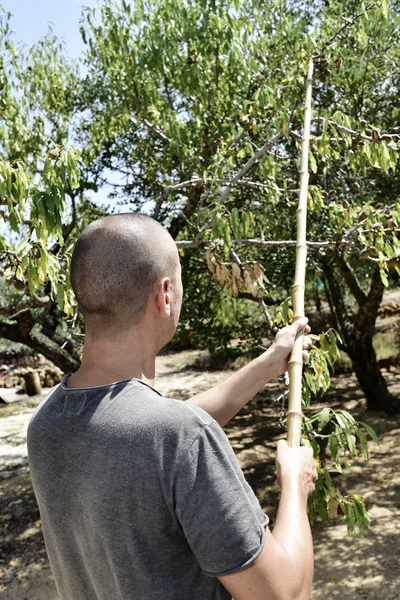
[389, 262]
[235, 179]
[356, 134]
[267, 243]
[40, 300]
[349, 233]
[383, 230]
[15, 310]
[346, 25]
[267, 300]
[193, 182]
[158, 133]
[286, 243]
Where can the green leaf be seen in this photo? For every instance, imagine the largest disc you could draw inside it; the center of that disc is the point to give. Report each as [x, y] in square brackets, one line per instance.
[313, 163]
[351, 442]
[364, 443]
[322, 505]
[384, 277]
[226, 234]
[362, 38]
[348, 417]
[216, 228]
[350, 518]
[341, 421]
[370, 431]
[329, 484]
[333, 449]
[324, 418]
[362, 516]
[310, 382]
[245, 223]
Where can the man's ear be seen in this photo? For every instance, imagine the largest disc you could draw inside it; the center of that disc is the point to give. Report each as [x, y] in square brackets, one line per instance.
[163, 297]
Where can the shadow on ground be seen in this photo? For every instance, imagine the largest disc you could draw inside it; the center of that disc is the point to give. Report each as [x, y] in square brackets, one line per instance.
[346, 568]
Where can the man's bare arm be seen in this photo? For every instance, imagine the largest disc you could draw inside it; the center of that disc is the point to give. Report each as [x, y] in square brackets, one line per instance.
[224, 400]
[284, 570]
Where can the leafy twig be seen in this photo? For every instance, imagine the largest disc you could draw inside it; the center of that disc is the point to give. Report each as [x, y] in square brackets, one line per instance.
[346, 25]
[235, 179]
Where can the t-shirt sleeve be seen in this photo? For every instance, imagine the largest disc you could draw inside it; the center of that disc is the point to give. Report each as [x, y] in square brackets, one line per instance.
[220, 515]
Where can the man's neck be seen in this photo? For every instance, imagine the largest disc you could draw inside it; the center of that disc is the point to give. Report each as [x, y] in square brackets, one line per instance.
[105, 362]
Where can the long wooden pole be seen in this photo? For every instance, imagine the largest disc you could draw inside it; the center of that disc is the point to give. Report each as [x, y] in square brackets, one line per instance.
[295, 414]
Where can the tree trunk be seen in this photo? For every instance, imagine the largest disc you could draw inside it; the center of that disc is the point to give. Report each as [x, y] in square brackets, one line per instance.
[357, 334]
[24, 333]
[188, 211]
[49, 324]
[366, 368]
[363, 355]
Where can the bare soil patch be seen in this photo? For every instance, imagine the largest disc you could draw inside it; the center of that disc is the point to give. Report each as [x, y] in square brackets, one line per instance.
[346, 568]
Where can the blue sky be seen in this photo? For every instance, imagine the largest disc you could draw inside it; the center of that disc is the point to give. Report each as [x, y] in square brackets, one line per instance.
[30, 21]
[31, 17]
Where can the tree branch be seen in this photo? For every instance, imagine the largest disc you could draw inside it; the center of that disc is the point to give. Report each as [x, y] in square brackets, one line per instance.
[350, 278]
[14, 310]
[267, 300]
[188, 210]
[386, 137]
[242, 171]
[40, 343]
[191, 183]
[158, 133]
[346, 25]
[389, 262]
[266, 243]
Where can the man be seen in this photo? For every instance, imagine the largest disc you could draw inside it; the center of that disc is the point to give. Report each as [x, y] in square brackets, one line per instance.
[141, 497]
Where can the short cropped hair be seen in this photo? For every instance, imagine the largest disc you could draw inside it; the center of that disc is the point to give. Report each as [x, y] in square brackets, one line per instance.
[115, 264]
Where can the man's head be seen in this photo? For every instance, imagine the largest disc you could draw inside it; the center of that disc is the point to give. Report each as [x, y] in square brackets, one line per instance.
[119, 263]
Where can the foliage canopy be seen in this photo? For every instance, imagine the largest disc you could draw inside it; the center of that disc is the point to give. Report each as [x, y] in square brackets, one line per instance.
[193, 112]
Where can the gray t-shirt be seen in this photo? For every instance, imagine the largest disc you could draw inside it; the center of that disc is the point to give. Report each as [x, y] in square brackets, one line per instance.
[141, 497]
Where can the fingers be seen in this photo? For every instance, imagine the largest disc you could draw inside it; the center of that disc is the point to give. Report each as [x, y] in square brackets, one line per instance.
[299, 324]
[307, 343]
[296, 464]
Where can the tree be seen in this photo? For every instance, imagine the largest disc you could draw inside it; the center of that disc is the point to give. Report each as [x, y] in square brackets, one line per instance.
[197, 109]
[186, 102]
[40, 193]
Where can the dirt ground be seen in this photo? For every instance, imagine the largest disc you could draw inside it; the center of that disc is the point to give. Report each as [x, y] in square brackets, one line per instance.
[345, 567]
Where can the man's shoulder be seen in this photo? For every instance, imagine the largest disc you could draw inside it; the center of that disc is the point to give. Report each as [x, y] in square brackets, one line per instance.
[169, 420]
[178, 413]
[128, 403]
